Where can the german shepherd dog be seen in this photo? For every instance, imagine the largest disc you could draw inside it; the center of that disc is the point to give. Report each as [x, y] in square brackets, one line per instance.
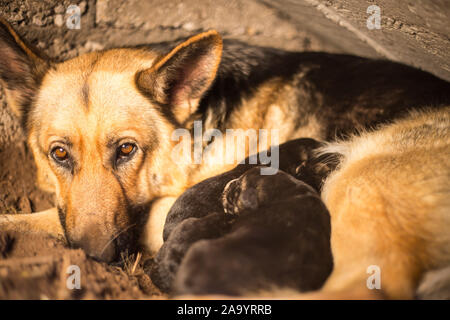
[100, 125]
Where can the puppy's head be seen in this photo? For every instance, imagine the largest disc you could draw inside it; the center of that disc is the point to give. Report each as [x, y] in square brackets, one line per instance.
[100, 128]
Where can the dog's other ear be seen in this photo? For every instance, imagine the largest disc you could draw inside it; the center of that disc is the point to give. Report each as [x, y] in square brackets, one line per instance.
[180, 79]
[20, 70]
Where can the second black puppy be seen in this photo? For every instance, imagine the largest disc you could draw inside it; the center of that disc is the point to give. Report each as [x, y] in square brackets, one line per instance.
[274, 230]
[280, 238]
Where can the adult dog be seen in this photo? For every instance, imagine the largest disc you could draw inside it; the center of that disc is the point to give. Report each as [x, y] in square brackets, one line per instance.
[100, 126]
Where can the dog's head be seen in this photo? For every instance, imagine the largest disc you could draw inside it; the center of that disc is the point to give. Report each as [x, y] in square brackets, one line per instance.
[100, 127]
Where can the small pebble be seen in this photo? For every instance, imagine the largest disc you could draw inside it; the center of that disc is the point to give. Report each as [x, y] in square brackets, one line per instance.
[59, 20]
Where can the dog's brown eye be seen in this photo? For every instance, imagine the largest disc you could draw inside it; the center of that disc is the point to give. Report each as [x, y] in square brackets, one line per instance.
[60, 154]
[126, 149]
[125, 153]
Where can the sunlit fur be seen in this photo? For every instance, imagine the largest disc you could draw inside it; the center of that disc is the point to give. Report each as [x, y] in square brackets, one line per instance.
[389, 202]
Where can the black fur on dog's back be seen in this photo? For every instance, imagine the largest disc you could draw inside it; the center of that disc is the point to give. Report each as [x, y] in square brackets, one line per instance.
[343, 91]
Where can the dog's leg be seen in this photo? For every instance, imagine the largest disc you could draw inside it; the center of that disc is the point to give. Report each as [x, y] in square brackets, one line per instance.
[152, 237]
[40, 222]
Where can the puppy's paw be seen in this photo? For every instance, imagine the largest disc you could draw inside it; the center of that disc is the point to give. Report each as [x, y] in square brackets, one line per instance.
[238, 196]
[316, 169]
[250, 191]
[230, 195]
[253, 190]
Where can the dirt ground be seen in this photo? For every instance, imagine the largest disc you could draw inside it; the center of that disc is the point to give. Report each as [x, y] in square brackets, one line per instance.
[34, 266]
[38, 267]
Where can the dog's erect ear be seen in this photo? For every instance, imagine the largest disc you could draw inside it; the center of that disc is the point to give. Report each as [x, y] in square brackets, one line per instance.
[180, 78]
[20, 69]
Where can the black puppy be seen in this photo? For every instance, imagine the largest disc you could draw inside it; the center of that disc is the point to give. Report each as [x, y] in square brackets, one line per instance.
[261, 231]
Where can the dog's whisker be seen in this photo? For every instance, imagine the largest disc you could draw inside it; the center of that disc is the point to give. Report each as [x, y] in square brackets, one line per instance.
[115, 237]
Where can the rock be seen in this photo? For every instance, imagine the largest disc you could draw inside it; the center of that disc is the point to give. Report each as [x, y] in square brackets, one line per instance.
[83, 6]
[189, 26]
[41, 45]
[17, 17]
[59, 20]
[60, 9]
[93, 46]
[39, 20]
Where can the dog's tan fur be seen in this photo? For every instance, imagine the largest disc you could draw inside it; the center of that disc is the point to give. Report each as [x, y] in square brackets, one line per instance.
[86, 102]
[390, 206]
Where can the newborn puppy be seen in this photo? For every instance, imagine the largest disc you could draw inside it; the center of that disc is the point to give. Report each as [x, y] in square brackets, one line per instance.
[271, 227]
[296, 157]
[280, 238]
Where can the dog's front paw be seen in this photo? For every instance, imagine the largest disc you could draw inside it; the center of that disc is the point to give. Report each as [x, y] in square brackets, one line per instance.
[46, 222]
